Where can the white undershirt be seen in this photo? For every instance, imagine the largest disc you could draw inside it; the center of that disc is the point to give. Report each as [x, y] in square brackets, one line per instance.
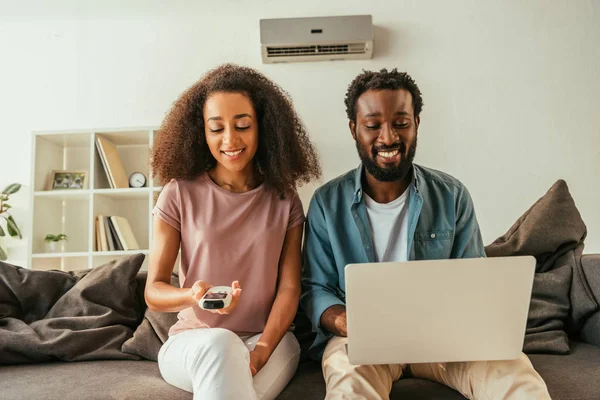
[389, 227]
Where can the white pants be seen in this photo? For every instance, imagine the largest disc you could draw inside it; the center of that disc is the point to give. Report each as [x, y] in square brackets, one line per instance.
[215, 364]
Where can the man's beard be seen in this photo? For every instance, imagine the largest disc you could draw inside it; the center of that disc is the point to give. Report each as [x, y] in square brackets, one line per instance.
[393, 172]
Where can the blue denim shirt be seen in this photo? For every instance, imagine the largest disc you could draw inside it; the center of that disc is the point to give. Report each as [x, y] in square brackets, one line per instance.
[441, 225]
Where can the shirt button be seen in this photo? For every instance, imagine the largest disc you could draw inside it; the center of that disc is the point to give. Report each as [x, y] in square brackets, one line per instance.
[433, 235]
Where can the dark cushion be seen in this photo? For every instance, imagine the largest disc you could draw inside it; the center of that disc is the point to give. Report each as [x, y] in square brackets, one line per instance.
[153, 331]
[591, 268]
[572, 377]
[551, 230]
[90, 380]
[590, 331]
[550, 225]
[27, 294]
[548, 311]
[89, 321]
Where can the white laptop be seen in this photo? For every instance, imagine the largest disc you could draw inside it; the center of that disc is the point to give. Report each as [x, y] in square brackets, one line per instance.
[438, 311]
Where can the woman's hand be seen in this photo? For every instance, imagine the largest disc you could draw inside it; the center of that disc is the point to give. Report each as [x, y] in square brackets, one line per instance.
[199, 288]
[236, 291]
[258, 358]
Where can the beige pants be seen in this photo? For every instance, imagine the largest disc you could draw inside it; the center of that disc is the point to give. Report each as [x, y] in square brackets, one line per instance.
[483, 380]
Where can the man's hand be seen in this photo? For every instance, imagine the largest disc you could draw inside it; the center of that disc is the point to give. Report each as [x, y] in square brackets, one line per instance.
[334, 320]
[236, 291]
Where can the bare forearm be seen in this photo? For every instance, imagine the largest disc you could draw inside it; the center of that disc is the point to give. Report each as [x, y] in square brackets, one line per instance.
[334, 320]
[161, 296]
[281, 318]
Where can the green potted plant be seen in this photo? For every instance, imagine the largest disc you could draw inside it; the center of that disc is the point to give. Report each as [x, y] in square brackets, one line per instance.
[11, 226]
[53, 241]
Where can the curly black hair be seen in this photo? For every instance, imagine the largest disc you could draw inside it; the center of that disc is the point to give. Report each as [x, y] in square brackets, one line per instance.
[381, 80]
[285, 157]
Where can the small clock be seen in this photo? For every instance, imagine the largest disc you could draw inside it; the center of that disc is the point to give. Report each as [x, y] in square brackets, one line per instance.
[137, 180]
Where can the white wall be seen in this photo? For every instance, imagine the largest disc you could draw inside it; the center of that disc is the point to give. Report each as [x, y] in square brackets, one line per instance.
[511, 89]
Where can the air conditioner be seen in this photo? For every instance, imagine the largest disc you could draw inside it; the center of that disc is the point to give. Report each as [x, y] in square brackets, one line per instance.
[319, 38]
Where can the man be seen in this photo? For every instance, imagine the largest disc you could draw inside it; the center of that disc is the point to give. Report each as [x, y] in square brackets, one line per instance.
[390, 209]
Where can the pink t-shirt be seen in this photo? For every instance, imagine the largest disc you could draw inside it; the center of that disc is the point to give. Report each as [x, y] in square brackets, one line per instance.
[225, 237]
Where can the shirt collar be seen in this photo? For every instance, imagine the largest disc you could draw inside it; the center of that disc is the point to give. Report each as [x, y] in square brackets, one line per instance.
[358, 190]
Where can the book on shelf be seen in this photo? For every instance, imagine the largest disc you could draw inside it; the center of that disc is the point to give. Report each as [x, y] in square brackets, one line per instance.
[125, 234]
[97, 242]
[102, 244]
[109, 238]
[115, 172]
[113, 233]
[102, 158]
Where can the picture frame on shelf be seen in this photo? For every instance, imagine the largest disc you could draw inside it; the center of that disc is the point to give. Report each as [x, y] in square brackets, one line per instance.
[68, 180]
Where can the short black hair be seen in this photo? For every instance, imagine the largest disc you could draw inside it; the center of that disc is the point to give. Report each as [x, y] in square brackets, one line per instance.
[392, 80]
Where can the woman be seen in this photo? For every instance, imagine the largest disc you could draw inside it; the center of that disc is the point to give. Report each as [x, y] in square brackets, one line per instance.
[232, 150]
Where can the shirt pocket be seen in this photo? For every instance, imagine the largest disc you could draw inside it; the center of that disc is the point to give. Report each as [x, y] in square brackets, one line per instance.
[434, 244]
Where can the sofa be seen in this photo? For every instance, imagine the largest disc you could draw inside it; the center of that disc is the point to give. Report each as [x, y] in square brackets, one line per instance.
[569, 377]
[110, 355]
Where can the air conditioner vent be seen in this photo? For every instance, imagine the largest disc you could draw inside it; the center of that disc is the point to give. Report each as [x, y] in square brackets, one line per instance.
[317, 50]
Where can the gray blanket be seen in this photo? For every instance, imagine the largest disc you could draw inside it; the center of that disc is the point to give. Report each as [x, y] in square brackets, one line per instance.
[54, 315]
[551, 230]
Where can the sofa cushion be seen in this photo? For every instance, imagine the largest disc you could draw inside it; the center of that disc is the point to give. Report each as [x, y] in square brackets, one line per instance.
[551, 230]
[568, 377]
[590, 331]
[153, 331]
[90, 380]
[591, 268]
[120, 380]
[572, 377]
[89, 321]
[551, 225]
[548, 309]
[27, 294]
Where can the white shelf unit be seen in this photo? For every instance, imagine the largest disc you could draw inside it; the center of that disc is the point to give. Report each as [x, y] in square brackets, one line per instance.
[73, 211]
